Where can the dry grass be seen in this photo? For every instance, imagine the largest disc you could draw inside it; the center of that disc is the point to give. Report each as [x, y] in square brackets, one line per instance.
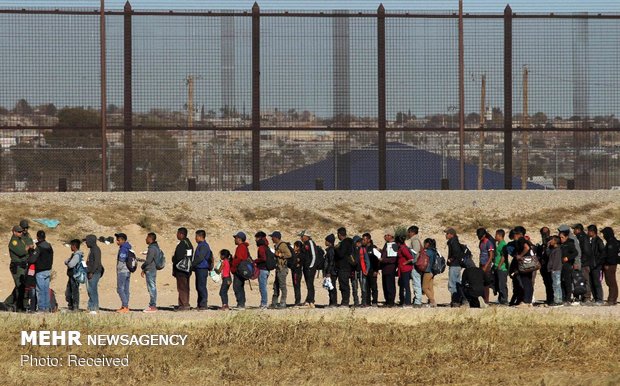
[471, 219]
[494, 347]
[357, 217]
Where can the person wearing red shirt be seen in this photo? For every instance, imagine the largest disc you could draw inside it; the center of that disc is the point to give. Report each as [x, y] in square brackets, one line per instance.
[405, 266]
[241, 254]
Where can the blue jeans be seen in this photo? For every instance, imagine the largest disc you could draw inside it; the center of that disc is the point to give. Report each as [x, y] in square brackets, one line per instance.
[43, 290]
[404, 294]
[151, 285]
[122, 287]
[226, 282]
[454, 278]
[416, 277]
[201, 286]
[262, 286]
[93, 292]
[556, 276]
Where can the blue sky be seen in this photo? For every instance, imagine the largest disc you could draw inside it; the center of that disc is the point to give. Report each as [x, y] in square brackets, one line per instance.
[469, 5]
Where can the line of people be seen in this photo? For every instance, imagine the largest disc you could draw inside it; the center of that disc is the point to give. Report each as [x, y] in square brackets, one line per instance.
[572, 264]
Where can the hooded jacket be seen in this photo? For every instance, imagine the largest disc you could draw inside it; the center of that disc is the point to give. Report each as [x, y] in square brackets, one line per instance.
[612, 247]
[404, 258]
[455, 252]
[73, 261]
[569, 251]
[241, 254]
[151, 255]
[343, 251]
[261, 253]
[184, 248]
[93, 263]
[389, 257]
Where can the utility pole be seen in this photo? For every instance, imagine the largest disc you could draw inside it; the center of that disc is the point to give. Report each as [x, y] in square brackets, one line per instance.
[461, 98]
[190, 125]
[104, 139]
[526, 124]
[483, 93]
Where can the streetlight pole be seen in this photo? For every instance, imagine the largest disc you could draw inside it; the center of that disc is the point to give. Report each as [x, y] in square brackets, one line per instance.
[461, 98]
[104, 139]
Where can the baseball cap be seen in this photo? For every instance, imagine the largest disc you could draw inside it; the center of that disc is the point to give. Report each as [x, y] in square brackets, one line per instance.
[450, 231]
[304, 233]
[120, 236]
[331, 238]
[578, 226]
[17, 228]
[240, 235]
[276, 234]
[24, 224]
[563, 228]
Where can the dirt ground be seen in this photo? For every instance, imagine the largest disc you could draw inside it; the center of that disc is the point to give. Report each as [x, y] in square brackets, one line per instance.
[218, 213]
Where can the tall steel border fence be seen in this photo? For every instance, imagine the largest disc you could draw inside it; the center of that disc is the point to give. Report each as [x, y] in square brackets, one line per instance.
[252, 100]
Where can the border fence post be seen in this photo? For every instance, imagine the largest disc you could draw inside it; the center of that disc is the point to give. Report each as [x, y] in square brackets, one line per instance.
[255, 97]
[508, 98]
[382, 146]
[127, 101]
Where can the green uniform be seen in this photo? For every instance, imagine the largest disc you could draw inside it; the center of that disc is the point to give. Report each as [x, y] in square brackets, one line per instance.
[18, 267]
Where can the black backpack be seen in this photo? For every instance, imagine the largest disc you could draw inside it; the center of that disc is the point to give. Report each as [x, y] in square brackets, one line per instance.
[439, 266]
[131, 262]
[467, 255]
[579, 283]
[319, 263]
[271, 261]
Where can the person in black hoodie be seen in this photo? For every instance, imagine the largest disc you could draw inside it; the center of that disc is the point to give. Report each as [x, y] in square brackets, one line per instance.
[586, 261]
[455, 259]
[344, 259]
[184, 248]
[473, 283]
[373, 272]
[597, 251]
[95, 272]
[610, 264]
[329, 270]
[43, 260]
[569, 253]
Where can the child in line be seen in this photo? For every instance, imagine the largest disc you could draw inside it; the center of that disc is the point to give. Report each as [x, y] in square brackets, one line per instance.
[555, 267]
[224, 270]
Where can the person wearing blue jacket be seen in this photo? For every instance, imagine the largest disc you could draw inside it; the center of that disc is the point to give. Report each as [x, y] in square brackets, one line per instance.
[122, 272]
[202, 264]
[430, 246]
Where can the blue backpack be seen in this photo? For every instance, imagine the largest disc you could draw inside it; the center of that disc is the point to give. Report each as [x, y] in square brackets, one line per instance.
[79, 271]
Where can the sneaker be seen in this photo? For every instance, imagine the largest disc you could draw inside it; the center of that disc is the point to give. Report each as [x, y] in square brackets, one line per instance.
[150, 309]
[524, 305]
[417, 306]
[123, 310]
[203, 308]
[575, 303]
[182, 308]
[556, 305]
[264, 307]
[225, 308]
[482, 303]
[92, 312]
[281, 306]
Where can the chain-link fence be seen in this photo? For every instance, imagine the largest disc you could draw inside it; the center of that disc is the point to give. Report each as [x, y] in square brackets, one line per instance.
[277, 100]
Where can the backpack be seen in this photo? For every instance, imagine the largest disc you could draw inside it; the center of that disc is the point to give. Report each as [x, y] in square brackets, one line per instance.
[319, 263]
[160, 260]
[290, 262]
[579, 283]
[439, 266]
[247, 268]
[423, 260]
[79, 271]
[272, 260]
[131, 262]
[467, 255]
